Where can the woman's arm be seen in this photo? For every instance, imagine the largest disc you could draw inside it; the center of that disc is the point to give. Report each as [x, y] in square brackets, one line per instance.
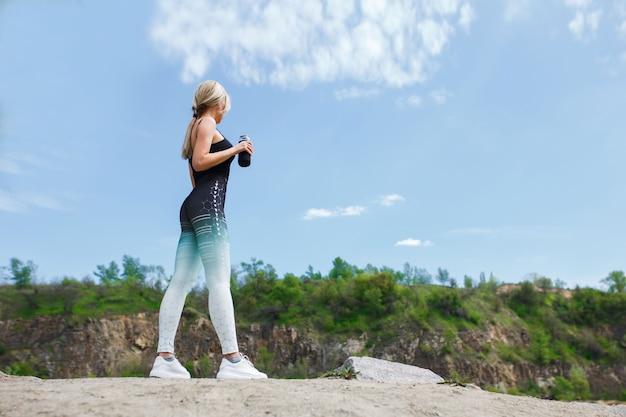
[202, 158]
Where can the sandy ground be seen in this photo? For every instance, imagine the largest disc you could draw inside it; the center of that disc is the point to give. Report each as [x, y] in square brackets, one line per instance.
[138, 397]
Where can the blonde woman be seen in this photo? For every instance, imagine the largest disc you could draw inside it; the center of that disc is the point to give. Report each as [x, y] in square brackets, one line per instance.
[204, 239]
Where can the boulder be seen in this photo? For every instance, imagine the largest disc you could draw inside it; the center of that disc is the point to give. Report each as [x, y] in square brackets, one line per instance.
[371, 369]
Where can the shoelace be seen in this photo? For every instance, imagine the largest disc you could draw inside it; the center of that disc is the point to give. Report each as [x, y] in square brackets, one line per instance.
[245, 359]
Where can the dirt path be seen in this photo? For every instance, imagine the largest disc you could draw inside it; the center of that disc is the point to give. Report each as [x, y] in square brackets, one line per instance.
[139, 397]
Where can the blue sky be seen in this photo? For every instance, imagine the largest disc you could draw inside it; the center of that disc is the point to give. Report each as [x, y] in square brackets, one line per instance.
[471, 135]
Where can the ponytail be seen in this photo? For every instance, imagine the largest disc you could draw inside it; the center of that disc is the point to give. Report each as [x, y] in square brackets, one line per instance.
[187, 148]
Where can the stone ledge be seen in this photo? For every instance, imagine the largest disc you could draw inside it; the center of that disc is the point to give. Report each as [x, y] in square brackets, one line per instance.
[371, 369]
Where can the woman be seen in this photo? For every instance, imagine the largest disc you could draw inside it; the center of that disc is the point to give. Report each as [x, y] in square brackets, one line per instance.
[204, 239]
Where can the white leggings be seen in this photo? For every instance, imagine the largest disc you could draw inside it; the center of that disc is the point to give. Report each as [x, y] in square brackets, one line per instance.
[200, 245]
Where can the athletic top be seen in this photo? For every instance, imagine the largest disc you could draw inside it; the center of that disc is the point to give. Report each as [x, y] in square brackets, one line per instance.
[222, 170]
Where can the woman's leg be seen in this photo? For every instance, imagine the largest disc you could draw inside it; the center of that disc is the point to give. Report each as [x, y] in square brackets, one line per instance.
[214, 249]
[186, 269]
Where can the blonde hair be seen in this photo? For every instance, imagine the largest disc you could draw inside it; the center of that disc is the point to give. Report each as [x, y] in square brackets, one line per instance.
[209, 94]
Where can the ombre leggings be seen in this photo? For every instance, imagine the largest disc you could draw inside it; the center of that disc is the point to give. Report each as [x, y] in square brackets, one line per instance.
[203, 243]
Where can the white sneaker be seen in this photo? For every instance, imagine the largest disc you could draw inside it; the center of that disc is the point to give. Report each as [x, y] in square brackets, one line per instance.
[165, 369]
[244, 369]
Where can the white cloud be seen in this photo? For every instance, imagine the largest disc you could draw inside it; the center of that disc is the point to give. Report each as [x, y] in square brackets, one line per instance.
[516, 10]
[9, 166]
[414, 101]
[467, 16]
[581, 4]
[435, 35]
[387, 200]
[21, 202]
[10, 204]
[26, 163]
[351, 211]
[411, 101]
[593, 20]
[291, 44]
[352, 93]
[390, 199]
[42, 201]
[414, 242]
[440, 96]
[315, 213]
[585, 23]
[577, 24]
[620, 10]
[613, 65]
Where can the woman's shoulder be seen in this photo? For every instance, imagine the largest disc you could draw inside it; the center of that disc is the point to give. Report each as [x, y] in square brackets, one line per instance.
[205, 123]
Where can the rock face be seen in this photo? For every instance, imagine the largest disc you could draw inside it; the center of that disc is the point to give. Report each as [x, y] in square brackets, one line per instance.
[370, 369]
[57, 347]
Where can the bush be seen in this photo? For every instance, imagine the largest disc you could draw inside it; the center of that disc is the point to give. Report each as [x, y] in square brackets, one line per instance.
[447, 301]
[524, 300]
[580, 383]
[563, 390]
[540, 347]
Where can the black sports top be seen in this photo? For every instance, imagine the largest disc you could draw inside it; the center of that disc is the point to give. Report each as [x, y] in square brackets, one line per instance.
[222, 170]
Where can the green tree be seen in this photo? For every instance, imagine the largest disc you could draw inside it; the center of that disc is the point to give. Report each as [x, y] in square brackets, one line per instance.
[413, 275]
[543, 283]
[525, 299]
[616, 281]
[155, 276]
[108, 275]
[422, 276]
[133, 271]
[22, 274]
[253, 296]
[559, 283]
[468, 281]
[311, 274]
[287, 292]
[342, 270]
[4, 273]
[443, 276]
[258, 271]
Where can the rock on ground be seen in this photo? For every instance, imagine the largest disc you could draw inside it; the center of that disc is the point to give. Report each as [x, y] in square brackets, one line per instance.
[371, 369]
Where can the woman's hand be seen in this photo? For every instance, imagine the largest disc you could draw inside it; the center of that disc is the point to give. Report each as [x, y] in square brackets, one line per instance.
[202, 158]
[244, 146]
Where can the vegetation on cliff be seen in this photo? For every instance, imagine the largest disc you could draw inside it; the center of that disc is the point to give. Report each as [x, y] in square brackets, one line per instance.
[572, 329]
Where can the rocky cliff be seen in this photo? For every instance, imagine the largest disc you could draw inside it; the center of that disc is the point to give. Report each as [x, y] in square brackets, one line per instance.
[57, 347]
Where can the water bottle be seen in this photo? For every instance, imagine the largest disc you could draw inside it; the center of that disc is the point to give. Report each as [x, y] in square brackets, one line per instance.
[244, 157]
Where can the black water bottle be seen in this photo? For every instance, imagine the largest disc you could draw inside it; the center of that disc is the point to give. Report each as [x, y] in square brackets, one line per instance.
[244, 157]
